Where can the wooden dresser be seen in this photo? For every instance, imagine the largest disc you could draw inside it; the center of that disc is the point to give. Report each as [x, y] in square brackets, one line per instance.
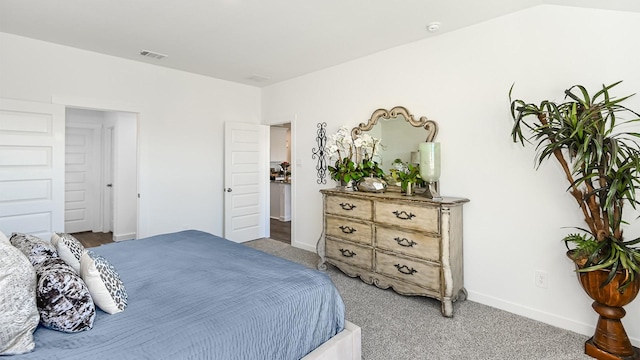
[409, 243]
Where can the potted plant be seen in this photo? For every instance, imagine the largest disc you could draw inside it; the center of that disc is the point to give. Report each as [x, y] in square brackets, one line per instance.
[408, 175]
[284, 170]
[345, 171]
[600, 157]
[354, 158]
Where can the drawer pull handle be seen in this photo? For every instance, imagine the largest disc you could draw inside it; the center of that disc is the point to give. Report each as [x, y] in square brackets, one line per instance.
[347, 253]
[347, 206]
[405, 269]
[347, 230]
[405, 242]
[403, 215]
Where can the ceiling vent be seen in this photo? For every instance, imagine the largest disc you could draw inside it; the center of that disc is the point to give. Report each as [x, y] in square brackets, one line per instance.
[153, 55]
[258, 78]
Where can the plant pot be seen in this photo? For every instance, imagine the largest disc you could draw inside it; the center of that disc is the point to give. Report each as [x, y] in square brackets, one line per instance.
[610, 340]
[349, 186]
[371, 184]
[409, 190]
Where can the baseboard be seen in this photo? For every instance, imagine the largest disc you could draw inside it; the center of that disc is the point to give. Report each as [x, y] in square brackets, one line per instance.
[307, 247]
[121, 237]
[542, 316]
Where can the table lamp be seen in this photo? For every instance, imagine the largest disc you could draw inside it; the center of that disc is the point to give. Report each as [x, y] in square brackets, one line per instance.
[430, 168]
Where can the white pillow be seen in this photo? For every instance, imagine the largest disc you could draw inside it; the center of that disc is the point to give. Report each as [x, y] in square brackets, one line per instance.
[105, 286]
[69, 249]
[18, 311]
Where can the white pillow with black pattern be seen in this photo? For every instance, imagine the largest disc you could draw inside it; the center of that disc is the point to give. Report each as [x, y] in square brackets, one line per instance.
[69, 249]
[102, 279]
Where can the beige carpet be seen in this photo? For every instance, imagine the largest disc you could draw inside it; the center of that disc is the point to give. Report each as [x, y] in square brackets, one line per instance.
[396, 327]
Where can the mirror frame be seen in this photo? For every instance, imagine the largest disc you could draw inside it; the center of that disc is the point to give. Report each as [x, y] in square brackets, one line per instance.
[429, 125]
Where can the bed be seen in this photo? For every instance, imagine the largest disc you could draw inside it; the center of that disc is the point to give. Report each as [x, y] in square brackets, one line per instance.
[193, 295]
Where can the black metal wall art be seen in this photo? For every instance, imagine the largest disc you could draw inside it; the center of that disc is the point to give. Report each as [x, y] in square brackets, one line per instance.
[321, 152]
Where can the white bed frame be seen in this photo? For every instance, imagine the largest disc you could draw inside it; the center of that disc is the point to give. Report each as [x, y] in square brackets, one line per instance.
[346, 345]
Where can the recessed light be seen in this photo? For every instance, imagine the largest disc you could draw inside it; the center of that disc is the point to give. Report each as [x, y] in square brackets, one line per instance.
[433, 27]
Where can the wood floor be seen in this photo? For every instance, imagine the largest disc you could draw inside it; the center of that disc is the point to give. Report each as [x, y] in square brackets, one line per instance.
[281, 230]
[90, 239]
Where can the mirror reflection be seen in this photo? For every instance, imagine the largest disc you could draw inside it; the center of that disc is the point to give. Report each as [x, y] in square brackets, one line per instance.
[399, 133]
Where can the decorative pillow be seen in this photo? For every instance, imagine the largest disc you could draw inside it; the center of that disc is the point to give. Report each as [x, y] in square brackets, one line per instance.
[36, 249]
[104, 283]
[18, 312]
[64, 301]
[69, 249]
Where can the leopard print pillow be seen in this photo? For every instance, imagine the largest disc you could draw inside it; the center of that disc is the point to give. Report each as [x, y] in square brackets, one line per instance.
[69, 249]
[104, 283]
[63, 299]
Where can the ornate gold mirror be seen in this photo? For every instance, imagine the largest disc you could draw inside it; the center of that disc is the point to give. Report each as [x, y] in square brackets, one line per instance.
[399, 132]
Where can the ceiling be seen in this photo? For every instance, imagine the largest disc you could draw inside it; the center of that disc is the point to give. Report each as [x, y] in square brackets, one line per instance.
[254, 42]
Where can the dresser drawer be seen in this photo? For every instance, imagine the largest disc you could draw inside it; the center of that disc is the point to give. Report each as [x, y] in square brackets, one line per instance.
[411, 243]
[351, 254]
[348, 229]
[420, 273]
[409, 216]
[351, 207]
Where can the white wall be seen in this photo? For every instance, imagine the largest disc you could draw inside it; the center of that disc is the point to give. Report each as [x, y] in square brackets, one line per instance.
[517, 215]
[181, 118]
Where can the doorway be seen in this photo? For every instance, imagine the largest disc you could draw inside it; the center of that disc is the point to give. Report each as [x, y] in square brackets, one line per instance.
[281, 179]
[100, 175]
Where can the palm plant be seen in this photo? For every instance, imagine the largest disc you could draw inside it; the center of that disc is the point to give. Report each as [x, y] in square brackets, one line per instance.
[600, 157]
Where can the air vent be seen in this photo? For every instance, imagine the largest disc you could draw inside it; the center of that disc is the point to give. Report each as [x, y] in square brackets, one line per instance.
[258, 78]
[153, 55]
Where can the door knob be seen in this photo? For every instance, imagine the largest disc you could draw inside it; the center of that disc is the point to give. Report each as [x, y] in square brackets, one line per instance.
[228, 190]
[109, 185]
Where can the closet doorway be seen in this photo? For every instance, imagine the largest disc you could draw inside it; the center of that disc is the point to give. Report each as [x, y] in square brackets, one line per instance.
[281, 179]
[100, 175]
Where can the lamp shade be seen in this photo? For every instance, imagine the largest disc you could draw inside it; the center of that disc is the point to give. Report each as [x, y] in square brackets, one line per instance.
[430, 161]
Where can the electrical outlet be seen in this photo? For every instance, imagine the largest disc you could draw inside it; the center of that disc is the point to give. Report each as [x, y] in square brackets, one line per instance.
[542, 279]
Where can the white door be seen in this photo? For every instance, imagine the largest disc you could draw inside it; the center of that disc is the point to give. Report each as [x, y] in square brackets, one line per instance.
[245, 173]
[31, 167]
[107, 182]
[82, 178]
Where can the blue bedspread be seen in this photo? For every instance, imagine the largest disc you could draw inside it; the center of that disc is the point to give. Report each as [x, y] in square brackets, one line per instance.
[193, 295]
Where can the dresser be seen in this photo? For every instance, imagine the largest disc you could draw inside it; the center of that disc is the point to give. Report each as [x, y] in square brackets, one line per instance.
[409, 243]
